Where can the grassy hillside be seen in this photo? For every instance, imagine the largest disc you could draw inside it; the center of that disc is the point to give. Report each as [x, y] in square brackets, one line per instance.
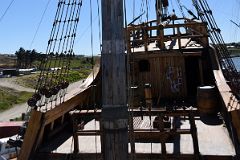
[9, 97]
[235, 52]
[7, 61]
[76, 62]
[80, 68]
[30, 81]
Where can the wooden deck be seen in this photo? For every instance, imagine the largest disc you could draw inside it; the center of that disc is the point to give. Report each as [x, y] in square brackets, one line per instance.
[213, 139]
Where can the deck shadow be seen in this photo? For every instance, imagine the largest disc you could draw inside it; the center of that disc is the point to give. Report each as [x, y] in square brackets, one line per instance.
[211, 119]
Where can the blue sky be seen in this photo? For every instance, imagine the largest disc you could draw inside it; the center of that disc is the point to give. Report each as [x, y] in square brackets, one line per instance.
[20, 23]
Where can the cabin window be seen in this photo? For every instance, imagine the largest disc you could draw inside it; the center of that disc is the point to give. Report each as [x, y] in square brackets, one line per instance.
[144, 66]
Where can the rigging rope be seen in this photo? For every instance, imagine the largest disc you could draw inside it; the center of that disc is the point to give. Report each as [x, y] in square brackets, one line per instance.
[172, 6]
[130, 84]
[141, 10]
[180, 8]
[147, 5]
[94, 87]
[99, 26]
[53, 82]
[133, 9]
[5, 12]
[226, 62]
[39, 24]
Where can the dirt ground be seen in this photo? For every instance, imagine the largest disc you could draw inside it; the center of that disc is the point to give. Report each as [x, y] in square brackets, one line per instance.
[17, 110]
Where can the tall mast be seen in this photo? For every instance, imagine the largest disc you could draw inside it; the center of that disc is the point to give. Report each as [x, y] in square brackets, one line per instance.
[114, 91]
[159, 10]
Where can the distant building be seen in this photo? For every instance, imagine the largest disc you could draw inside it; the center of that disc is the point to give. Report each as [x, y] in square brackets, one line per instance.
[26, 71]
[10, 72]
[230, 46]
[55, 69]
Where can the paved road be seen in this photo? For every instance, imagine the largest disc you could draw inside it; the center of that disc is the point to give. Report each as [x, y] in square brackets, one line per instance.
[17, 110]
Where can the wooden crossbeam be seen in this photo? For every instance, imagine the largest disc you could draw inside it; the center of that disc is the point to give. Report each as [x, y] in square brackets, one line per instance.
[138, 156]
[137, 112]
[65, 107]
[137, 132]
[30, 139]
[143, 135]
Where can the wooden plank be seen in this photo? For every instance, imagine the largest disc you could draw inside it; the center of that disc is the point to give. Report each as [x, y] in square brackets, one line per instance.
[9, 129]
[75, 135]
[156, 136]
[40, 136]
[190, 24]
[194, 135]
[31, 135]
[230, 101]
[158, 54]
[138, 156]
[236, 122]
[114, 95]
[138, 112]
[200, 70]
[184, 75]
[66, 106]
[140, 133]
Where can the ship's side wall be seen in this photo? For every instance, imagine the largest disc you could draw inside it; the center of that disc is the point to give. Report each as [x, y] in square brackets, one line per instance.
[231, 105]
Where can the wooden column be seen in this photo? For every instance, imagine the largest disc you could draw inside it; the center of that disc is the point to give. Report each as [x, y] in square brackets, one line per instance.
[114, 96]
[194, 136]
[31, 136]
[75, 136]
[200, 70]
[159, 11]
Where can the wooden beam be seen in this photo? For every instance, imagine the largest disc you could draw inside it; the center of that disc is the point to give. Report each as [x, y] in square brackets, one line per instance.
[228, 98]
[138, 113]
[138, 156]
[75, 135]
[191, 24]
[143, 135]
[200, 71]
[159, 54]
[31, 136]
[65, 107]
[114, 97]
[194, 135]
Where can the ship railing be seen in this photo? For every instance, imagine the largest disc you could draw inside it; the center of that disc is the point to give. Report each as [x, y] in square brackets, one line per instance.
[146, 33]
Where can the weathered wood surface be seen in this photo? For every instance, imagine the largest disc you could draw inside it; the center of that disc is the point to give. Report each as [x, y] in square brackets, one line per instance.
[153, 31]
[166, 70]
[67, 106]
[139, 156]
[137, 112]
[31, 135]
[114, 91]
[230, 101]
[39, 120]
[9, 129]
[210, 138]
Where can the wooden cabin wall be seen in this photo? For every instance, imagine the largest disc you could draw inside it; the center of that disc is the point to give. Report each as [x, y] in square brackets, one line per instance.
[209, 63]
[166, 75]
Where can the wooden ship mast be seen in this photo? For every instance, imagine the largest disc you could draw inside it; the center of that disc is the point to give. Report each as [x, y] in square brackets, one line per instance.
[142, 92]
[114, 94]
